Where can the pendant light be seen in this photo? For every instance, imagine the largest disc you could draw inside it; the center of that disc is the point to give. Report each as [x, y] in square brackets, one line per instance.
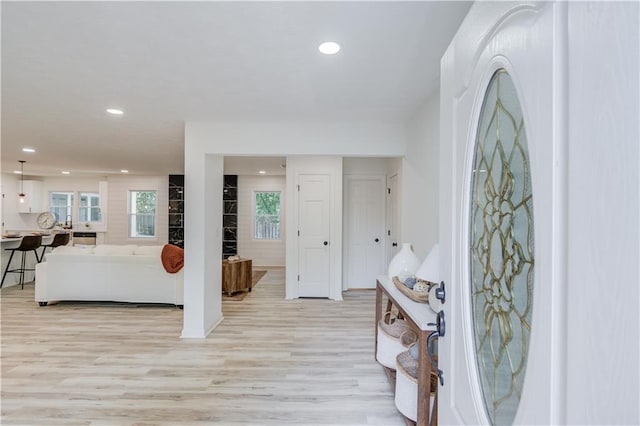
[21, 194]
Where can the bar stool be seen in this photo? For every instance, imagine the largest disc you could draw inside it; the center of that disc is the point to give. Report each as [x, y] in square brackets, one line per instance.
[28, 243]
[61, 239]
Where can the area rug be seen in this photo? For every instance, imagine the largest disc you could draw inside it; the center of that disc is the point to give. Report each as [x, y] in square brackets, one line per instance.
[255, 278]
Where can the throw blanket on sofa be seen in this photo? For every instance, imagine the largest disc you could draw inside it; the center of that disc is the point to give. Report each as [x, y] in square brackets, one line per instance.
[172, 258]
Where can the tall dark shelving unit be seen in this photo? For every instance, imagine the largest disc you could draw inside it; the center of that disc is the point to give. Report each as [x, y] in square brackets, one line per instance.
[176, 210]
[230, 216]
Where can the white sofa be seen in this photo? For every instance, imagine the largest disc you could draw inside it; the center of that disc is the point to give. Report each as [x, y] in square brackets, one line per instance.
[116, 273]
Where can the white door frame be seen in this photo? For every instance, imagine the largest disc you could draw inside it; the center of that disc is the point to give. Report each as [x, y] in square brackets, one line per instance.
[393, 220]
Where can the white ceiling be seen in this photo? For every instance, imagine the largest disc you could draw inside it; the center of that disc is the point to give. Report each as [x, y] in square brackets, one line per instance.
[64, 63]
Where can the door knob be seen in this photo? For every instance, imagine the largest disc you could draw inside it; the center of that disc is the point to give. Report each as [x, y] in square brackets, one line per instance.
[394, 244]
[430, 340]
[377, 240]
[326, 243]
[441, 293]
[438, 332]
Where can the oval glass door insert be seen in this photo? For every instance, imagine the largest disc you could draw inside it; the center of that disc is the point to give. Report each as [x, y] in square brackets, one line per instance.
[501, 249]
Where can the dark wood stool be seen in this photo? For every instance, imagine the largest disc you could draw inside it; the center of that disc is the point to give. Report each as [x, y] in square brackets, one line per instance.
[61, 239]
[28, 243]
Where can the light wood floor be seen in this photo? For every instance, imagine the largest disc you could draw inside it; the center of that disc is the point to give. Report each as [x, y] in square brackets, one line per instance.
[271, 362]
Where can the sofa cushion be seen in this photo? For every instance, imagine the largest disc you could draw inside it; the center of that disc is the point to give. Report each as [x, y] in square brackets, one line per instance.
[148, 251]
[73, 250]
[110, 250]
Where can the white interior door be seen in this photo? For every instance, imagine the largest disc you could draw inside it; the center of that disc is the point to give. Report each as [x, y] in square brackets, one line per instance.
[365, 225]
[314, 226]
[502, 351]
[393, 218]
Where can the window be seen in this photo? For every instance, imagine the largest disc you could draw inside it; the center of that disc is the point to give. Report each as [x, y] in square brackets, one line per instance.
[61, 205]
[142, 214]
[267, 216]
[89, 207]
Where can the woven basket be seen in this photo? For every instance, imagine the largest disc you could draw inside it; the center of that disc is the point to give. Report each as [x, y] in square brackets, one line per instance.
[392, 339]
[406, 397]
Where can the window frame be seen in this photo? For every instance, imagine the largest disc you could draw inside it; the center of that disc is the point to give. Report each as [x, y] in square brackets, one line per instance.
[89, 208]
[69, 207]
[131, 214]
[255, 215]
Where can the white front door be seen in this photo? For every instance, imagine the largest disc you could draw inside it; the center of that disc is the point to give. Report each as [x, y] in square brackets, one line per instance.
[501, 202]
[365, 236]
[314, 245]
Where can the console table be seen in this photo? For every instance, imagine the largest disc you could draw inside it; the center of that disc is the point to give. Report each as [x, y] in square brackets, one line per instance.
[419, 316]
[236, 275]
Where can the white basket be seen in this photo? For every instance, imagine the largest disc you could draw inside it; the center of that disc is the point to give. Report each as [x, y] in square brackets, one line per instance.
[392, 339]
[406, 397]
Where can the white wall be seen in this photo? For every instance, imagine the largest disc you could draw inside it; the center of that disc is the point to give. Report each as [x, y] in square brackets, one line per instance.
[420, 169]
[27, 221]
[206, 140]
[365, 166]
[118, 210]
[12, 220]
[261, 252]
[203, 185]
[293, 138]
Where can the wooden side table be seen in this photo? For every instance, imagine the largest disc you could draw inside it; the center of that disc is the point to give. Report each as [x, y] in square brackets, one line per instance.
[420, 317]
[236, 275]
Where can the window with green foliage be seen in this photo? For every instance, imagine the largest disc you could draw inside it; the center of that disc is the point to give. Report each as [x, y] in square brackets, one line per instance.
[267, 216]
[142, 214]
[89, 207]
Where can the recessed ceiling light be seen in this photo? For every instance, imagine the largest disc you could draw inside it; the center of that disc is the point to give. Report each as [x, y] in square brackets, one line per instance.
[329, 48]
[262, 172]
[124, 171]
[64, 172]
[115, 111]
[28, 150]
[18, 172]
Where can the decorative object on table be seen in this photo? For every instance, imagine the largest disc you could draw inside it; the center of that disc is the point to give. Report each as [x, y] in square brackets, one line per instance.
[409, 282]
[421, 287]
[416, 296]
[429, 270]
[46, 220]
[233, 258]
[393, 337]
[404, 262]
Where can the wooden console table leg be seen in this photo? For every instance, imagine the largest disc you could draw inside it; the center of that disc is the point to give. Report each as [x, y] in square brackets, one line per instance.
[424, 380]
